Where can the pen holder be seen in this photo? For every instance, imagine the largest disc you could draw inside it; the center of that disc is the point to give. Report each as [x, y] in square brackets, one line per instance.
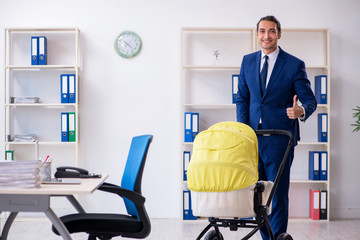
[45, 171]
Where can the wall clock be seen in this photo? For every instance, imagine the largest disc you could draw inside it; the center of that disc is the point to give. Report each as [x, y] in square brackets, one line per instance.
[127, 44]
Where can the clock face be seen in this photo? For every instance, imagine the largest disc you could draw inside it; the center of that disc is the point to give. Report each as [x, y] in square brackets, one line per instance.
[127, 44]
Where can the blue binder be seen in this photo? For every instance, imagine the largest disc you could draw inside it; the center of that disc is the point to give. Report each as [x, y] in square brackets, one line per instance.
[321, 89]
[187, 209]
[323, 165]
[64, 86]
[194, 125]
[186, 160]
[34, 50]
[235, 81]
[322, 127]
[188, 127]
[64, 127]
[42, 50]
[314, 165]
[72, 88]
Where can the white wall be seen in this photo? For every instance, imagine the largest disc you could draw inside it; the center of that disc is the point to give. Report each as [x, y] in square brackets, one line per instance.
[122, 98]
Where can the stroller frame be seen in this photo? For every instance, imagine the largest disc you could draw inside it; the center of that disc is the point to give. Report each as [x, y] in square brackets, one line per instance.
[262, 215]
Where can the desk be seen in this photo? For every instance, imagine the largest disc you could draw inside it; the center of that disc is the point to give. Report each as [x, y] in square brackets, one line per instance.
[17, 200]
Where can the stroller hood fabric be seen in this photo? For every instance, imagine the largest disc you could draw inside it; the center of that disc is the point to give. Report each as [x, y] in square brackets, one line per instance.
[224, 158]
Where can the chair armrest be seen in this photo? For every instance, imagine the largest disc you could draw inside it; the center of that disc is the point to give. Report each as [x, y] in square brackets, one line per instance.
[135, 197]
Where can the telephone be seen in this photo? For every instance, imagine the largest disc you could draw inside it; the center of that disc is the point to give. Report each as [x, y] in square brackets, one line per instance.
[74, 172]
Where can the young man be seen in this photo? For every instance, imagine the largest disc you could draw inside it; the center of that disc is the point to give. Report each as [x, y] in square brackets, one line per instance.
[271, 81]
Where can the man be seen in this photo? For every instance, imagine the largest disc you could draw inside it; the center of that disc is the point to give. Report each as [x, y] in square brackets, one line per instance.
[272, 104]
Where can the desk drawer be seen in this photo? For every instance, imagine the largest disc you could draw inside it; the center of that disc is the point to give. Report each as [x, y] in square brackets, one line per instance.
[24, 203]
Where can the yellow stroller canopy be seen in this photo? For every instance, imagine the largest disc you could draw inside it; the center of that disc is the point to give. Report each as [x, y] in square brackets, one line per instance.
[224, 158]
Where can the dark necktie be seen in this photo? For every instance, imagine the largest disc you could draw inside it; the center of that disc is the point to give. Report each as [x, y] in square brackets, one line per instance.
[263, 75]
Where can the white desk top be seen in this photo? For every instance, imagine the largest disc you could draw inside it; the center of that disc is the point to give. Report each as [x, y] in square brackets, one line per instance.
[87, 186]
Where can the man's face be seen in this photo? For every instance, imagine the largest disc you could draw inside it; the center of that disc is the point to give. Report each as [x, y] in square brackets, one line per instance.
[268, 36]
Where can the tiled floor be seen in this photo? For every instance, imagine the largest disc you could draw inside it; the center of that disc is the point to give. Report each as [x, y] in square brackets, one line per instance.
[175, 229]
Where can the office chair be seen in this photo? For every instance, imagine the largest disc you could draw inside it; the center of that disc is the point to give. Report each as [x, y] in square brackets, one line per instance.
[136, 224]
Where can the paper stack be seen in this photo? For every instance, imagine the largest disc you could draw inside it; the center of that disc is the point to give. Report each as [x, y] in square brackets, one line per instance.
[20, 174]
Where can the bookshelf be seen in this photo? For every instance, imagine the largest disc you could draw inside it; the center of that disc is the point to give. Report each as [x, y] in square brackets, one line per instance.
[24, 79]
[206, 88]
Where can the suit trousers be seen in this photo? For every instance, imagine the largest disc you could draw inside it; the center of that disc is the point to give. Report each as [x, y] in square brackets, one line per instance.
[271, 152]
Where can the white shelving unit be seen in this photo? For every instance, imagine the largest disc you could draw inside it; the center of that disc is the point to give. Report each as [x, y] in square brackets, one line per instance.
[206, 88]
[43, 81]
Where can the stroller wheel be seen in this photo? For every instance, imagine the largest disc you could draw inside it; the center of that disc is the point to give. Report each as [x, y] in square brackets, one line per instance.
[212, 236]
[284, 236]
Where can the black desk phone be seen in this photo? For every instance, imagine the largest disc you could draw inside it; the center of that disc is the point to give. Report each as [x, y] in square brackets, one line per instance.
[74, 172]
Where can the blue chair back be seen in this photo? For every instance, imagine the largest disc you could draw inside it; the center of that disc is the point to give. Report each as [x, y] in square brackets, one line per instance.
[134, 167]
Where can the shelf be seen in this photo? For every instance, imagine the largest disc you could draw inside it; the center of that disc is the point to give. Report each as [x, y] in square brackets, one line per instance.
[313, 143]
[52, 105]
[212, 67]
[298, 181]
[39, 67]
[210, 106]
[43, 143]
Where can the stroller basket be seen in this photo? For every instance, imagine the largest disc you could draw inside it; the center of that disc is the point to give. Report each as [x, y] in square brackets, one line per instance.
[223, 179]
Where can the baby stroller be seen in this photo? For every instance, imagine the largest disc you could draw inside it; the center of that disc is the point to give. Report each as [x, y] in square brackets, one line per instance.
[223, 179]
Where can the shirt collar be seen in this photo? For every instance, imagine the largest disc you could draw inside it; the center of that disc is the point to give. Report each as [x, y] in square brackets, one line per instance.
[272, 55]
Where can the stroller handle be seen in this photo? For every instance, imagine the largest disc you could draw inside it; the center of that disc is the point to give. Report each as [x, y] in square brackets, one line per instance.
[268, 132]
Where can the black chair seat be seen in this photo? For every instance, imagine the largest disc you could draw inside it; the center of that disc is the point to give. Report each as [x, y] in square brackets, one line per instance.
[97, 223]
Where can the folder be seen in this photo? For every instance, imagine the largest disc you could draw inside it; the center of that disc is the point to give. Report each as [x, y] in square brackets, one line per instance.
[186, 160]
[323, 165]
[64, 86]
[64, 127]
[42, 50]
[194, 125]
[322, 127]
[314, 165]
[34, 50]
[72, 127]
[9, 155]
[188, 213]
[321, 89]
[235, 81]
[323, 205]
[72, 88]
[314, 204]
[188, 127]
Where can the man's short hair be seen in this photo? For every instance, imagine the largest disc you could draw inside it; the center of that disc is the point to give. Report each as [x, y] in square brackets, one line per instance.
[271, 19]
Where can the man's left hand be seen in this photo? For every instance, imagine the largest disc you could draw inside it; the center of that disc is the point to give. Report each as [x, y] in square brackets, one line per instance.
[295, 111]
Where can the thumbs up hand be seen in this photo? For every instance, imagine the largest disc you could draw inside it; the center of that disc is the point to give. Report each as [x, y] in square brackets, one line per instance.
[295, 111]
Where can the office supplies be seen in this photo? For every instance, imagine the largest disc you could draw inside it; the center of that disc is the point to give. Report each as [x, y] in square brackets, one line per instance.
[323, 165]
[74, 172]
[24, 100]
[314, 204]
[235, 81]
[9, 155]
[188, 213]
[194, 125]
[314, 165]
[20, 174]
[188, 127]
[322, 127]
[323, 205]
[72, 88]
[64, 86]
[321, 89]
[42, 50]
[186, 160]
[72, 127]
[61, 181]
[64, 127]
[34, 50]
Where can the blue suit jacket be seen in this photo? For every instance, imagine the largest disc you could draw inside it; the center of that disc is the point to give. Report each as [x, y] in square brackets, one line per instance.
[287, 79]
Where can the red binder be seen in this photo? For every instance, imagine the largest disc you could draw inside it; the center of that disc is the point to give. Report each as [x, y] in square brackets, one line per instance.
[314, 204]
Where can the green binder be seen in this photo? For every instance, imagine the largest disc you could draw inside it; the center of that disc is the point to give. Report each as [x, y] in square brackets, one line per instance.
[72, 127]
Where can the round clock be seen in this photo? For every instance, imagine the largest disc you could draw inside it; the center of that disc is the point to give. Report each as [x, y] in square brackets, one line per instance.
[127, 44]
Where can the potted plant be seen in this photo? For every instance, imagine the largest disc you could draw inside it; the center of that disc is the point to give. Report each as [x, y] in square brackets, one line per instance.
[356, 115]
